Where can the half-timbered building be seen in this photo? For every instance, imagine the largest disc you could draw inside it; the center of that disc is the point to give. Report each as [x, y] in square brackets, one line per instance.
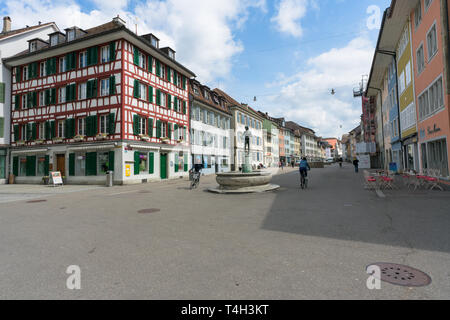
[86, 102]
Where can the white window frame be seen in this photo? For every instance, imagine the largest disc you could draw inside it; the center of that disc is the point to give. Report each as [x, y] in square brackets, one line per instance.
[42, 70]
[60, 128]
[61, 94]
[143, 90]
[42, 98]
[104, 54]
[420, 59]
[83, 59]
[418, 17]
[82, 91]
[103, 121]
[432, 54]
[62, 64]
[41, 129]
[81, 126]
[104, 87]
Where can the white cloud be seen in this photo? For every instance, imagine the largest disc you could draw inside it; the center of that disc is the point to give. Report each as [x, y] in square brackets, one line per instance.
[289, 15]
[305, 97]
[201, 31]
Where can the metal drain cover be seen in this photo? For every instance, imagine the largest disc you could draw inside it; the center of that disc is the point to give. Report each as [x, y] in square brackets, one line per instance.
[153, 210]
[402, 275]
[36, 201]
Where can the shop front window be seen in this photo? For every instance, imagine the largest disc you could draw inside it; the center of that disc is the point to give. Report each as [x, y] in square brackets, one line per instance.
[103, 162]
[22, 166]
[142, 162]
[80, 164]
[41, 166]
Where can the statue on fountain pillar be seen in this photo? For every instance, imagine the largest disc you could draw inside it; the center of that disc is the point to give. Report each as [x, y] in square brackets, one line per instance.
[247, 136]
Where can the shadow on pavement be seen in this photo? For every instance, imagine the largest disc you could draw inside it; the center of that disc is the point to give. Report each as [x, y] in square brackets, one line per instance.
[336, 206]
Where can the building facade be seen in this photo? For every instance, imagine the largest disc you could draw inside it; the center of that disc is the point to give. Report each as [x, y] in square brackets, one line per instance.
[270, 139]
[211, 135]
[430, 45]
[13, 42]
[86, 102]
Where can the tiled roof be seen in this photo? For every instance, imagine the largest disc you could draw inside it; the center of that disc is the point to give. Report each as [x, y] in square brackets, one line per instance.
[208, 101]
[228, 99]
[22, 30]
[294, 126]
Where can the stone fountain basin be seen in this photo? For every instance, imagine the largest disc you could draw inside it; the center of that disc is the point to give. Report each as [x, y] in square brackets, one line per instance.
[237, 182]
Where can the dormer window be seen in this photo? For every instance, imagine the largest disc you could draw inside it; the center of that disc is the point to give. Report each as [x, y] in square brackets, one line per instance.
[196, 90]
[154, 42]
[54, 40]
[206, 95]
[33, 46]
[70, 35]
[171, 54]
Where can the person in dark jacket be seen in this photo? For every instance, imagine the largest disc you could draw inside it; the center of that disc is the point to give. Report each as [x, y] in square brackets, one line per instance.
[356, 164]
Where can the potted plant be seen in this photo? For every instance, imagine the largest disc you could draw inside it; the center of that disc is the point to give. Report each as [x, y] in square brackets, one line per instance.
[101, 136]
[165, 140]
[144, 137]
[45, 180]
[39, 141]
[78, 138]
[57, 140]
[20, 143]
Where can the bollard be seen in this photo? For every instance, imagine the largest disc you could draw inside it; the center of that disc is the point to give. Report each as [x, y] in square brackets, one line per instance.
[109, 178]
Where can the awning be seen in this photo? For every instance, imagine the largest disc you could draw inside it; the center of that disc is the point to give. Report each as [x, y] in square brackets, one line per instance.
[92, 147]
[29, 151]
[137, 146]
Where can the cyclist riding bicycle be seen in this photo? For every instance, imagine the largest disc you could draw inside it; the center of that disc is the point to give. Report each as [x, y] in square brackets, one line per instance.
[194, 175]
[304, 167]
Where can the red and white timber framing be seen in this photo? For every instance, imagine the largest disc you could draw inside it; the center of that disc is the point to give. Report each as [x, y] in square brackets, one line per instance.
[132, 105]
[75, 109]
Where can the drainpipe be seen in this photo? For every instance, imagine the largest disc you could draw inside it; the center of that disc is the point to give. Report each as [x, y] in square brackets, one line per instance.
[445, 40]
[382, 122]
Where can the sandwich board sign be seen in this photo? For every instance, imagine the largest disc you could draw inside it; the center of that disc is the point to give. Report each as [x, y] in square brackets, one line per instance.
[56, 178]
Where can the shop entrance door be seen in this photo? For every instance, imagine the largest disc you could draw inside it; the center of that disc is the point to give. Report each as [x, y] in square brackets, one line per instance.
[61, 164]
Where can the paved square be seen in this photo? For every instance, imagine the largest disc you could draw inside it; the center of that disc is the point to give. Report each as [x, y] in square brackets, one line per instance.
[289, 244]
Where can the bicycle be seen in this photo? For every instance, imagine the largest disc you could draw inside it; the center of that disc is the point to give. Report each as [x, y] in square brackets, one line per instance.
[194, 177]
[303, 180]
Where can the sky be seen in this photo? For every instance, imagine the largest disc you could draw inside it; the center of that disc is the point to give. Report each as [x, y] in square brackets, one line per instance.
[289, 54]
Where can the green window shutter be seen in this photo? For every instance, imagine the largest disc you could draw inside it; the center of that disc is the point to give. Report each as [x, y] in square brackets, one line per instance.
[18, 74]
[111, 161]
[169, 131]
[168, 74]
[31, 166]
[89, 126]
[150, 64]
[34, 99]
[184, 107]
[112, 51]
[158, 97]
[158, 68]
[91, 163]
[136, 162]
[47, 165]
[68, 98]
[2, 92]
[89, 89]
[169, 100]
[16, 132]
[112, 123]
[150, 94]
[150, 127]
[151, 160]
[136, 124]
[175, 101]
[16, 166]
[112, 85]
[71, 164]
[30, 71]
[74, 91]
[94, 88]
[68, 60]
[92, 56]
[136, 92]
[53, 96]
[73, 62]
[52, 129]
[48, 66]
[2, 126]
[33, 131]
[184, 83]
[47, 97]
[185, 162]
[72, 128]
[17, 102]
[136, 56]
[35, 69]
[66, 128]
[158, 128]
[48, 135]
[29, 131]
[94, 125]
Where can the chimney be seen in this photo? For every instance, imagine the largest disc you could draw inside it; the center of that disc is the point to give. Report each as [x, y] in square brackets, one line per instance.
[118, 20]
[6, 24]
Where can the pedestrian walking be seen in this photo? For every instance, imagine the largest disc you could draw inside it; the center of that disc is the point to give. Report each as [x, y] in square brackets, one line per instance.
[356, 164]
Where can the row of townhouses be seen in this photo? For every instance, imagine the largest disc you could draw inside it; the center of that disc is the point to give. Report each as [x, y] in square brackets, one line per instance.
[406, 100]
[87, 102]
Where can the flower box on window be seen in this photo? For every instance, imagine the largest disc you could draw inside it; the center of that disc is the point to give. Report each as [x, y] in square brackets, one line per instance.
[39, 141]
[57, 140]
[144, 137]
[101, 136]
[180, 140]
[79, 138]
[165, 140]
[20, 143]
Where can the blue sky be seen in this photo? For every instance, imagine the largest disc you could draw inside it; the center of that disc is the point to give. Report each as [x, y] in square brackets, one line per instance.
[287, 53]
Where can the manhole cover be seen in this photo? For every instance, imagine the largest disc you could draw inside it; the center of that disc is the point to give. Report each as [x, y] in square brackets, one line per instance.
[402, 275]
[35, 201]
[149, 210]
